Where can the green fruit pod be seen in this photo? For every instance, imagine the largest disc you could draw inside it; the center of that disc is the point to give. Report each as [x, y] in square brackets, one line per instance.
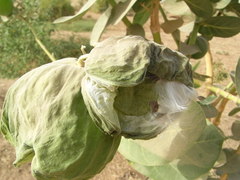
[45, 118]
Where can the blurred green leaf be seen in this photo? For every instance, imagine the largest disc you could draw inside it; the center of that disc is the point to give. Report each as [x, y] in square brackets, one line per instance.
[187, 49]
[100, 26]
[202, 8]
[172, 143]
[237, 77]
[120, 10]
[141, 17]
[6, 7]
[234, 6]
[176, 8]
[200, 77]
[208, 100]
[236, 130]
[79, 14]
[172, 25]
[136, 29]
[195, 162]
[232, 166]
[196, 66]
[209, 110]
[140, 5]
[234, 111]
[221, 26]
[232, 75]
[202, 45]
[222, 4]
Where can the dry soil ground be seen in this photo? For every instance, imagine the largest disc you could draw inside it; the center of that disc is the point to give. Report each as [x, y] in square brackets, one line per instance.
[225, 51]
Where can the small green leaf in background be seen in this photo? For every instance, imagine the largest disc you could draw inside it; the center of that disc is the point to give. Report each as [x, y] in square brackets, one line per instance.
[202, 8]
[141, 17]
[231, 168]
[234, 111]
[194, 163]
[234, 6]
[236, 130]
[209, 110]
[175, 7]
[208, 100]
[187, 49]
[100, 26]
[6, 7]
[221, 26]
[201, 77]
[202, 45]
[136, 29]
[79, 14]
[172, 25]
[237, 77]
[120, 10]
[222, 4]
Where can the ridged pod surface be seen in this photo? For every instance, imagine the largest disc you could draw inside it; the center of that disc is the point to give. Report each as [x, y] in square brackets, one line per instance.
[45, 118]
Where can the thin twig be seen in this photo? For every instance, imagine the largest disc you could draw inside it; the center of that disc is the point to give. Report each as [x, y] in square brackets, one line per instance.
[155, 25]
[209, 68]
[227, 96]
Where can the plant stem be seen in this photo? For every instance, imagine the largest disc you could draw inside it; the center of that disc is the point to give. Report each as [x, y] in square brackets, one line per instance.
[193, 35]
[155, 25]
[224, 176]
[174, 34]
[163, 13]
[51, 57]
[209, 68]
[227, 96]
[125, 20]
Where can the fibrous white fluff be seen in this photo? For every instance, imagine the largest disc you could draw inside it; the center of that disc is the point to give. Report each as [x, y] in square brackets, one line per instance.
[172, 98]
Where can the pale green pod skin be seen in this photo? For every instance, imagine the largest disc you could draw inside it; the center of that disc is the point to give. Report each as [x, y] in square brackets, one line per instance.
[45, 118]
[121, 89]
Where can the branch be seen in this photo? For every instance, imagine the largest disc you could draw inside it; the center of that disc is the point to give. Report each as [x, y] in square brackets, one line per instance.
[155, 25]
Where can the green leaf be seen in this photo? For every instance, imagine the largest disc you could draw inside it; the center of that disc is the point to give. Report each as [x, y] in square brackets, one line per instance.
[202, 45]
[201, 77]
[176, 8]
[141, 17]
[232, 165]
[195, 162]
[234, 111]
[174, 141]
[221, 26]
[100, 26]
[234, 6]
[209, 110]
[172, 25]
[136, 29]
[120, 10]
[6, 7]
[208, 100]
[79, 14]
[237, 77]
[202, 8]
[222, 4]
[187, 49]
[236, 130]
[140, 5]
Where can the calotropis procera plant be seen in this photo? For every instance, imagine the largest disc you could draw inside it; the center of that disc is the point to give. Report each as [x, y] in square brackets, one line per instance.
[68, 116]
